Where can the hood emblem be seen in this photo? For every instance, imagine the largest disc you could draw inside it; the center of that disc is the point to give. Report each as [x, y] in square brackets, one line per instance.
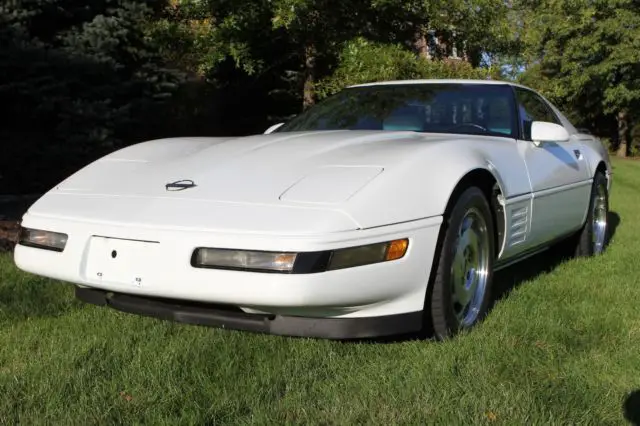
[180, 185]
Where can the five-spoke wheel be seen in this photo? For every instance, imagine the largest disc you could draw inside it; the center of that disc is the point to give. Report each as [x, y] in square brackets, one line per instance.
[461, 292]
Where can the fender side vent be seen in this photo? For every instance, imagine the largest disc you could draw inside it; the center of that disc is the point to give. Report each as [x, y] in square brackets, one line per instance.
[518, 222]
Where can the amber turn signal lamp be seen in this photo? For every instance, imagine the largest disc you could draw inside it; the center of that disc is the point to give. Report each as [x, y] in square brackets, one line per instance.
[397, 249]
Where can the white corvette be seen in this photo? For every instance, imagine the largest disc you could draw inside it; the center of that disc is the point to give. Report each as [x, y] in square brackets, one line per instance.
[383, 208]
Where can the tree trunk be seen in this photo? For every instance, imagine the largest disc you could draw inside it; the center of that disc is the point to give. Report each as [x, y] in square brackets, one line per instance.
[420, 43]
[308, 92]
[623, 134]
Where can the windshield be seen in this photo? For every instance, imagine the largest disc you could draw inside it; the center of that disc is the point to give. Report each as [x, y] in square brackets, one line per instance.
[482, 109]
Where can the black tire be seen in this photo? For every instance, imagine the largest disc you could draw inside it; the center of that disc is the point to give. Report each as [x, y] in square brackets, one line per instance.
[444, 319]
[583, 242]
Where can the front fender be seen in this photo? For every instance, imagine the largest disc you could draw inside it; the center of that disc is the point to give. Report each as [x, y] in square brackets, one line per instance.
[422, 186]
[594, 152]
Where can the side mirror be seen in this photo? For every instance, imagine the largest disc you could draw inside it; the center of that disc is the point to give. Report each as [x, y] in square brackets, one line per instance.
[542, 131]
[272, 128]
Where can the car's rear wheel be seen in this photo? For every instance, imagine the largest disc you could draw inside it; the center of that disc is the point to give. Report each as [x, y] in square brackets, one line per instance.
[461, 293]
[594, 236]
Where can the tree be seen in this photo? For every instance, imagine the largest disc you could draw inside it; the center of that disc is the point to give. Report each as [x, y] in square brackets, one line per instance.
[586, 55]
[300, 39]
[184, 36]
[81, 79]
[318, 28]
[435, 29]
[303, 40]
[363, 61]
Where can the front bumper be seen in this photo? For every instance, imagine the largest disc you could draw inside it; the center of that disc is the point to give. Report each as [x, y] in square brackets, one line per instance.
[228, 318]
[383, 289]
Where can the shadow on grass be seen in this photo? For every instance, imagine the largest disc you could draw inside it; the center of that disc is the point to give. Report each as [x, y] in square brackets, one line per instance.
[631, 407]
[613, 220]
[508, 279]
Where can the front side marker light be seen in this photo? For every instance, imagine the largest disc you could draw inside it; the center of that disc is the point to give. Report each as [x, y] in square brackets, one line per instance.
[369, 254]
[47, 240]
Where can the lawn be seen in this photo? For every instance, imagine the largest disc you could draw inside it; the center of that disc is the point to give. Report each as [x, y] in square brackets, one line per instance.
[562, 345]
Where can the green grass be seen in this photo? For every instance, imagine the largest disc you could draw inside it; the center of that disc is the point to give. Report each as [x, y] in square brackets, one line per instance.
[562, 347]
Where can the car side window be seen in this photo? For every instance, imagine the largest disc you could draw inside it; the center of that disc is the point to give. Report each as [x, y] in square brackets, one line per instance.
[532, 108]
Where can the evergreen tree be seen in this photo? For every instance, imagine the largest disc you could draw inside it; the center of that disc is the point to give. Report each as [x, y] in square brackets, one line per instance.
[81, 79]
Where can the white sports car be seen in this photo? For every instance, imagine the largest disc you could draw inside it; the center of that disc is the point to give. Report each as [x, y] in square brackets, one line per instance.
[383, 208]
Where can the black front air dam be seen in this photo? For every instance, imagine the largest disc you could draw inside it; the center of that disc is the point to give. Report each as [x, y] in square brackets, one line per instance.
[228, 317]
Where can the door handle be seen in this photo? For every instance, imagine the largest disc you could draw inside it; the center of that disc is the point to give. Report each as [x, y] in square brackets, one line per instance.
[578, 154]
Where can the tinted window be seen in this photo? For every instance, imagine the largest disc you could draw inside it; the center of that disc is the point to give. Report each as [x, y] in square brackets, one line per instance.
[481, 109]
[532, 108]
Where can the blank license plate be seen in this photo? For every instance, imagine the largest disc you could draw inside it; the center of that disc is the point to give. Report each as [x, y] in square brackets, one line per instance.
[118, 261]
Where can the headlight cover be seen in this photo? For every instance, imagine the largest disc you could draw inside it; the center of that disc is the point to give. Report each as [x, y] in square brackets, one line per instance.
[46, 240]
[244, 259]
[299, 263]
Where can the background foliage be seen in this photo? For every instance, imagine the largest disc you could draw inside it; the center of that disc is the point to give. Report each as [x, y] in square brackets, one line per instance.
[82, 78]
[77, 80]
[362, 61]
[585, 55]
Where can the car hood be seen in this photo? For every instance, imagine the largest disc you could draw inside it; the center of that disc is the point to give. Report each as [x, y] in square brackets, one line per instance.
[312, 167]
[282, 182]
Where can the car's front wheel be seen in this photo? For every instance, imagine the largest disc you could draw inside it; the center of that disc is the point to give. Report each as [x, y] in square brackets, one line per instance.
[461, 293]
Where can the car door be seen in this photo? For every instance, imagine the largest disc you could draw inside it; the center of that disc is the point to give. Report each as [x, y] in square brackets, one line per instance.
[558, 172]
